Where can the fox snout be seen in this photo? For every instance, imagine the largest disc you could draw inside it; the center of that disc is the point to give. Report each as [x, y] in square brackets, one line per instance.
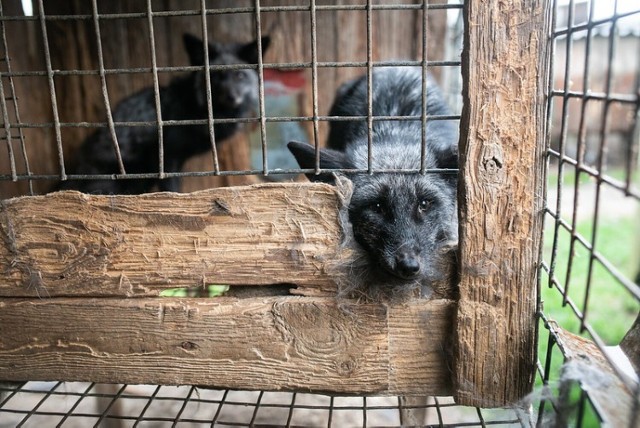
[407, 264]
[234, 99]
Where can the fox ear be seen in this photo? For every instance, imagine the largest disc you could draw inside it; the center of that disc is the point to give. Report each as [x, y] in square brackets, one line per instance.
[195, 49]
[305, 154]
[249, 52]
[448, 157]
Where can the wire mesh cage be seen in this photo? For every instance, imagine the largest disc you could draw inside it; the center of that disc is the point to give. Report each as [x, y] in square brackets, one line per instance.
[589, 269]
[73, 70]
[79, 404]
[85, 86]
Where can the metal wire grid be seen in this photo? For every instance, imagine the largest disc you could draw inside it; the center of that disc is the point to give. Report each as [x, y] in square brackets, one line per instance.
[84, 404]
[262, 118]
[65, 404]
[576, 298]
[558, 157]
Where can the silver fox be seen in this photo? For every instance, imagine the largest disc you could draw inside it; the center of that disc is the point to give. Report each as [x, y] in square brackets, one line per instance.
[405, 224]
[234, 95]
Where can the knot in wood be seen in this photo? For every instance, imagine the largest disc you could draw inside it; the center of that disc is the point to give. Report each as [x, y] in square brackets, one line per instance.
[347, 366]
[492, 165]
[189, 346]
[219, 207]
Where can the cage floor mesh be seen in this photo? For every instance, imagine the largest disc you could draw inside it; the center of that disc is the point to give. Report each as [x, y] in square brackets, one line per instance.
[77, 404]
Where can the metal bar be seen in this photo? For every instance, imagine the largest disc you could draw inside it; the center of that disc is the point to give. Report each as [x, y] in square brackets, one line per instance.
[554, 283]
[262, 114]
[76, 404]
[598, 96]
[222, 67]
[5, 110]
[480, 418]
[156, 91]
[314, 82]
[631, 287]
[7, 131]
[400, 412]
[227, 173]
[237, 10]
[547, 372]
[207, 79]
[146, 406]
[103, 83]
[581, 150]
[364, 411]
[423, 119]
[185, 401]
[235, 120]
[610, 181]
[115, 398]
[438, 411]
[12, 92]
[563, 138]
[634, 145]
[291, 407]
[35, 408]
[255, 411]
[52, 89]
[601, 160]
[369, 89]
[548, 123]
[592, 24]
[217, 414]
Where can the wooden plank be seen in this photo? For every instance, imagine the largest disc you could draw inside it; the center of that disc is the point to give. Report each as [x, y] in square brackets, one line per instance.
[504, 66]
[73, 244]
[630, 343]
[617, 403]
[416, 358]
[276, 343]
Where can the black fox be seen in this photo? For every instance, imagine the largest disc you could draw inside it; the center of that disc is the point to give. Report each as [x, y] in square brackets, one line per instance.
[406, 223]
[234, 95]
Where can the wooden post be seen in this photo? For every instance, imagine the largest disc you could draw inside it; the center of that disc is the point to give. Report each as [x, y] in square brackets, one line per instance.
[504, 67]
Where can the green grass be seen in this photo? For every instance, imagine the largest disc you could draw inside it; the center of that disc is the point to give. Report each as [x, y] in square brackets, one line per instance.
[211, 291]
[569, 176]
[610, 308]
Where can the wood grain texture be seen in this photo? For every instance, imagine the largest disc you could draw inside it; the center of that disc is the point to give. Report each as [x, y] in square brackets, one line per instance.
[276, 343]
[68, 243]
[505, 65]
[630, 344]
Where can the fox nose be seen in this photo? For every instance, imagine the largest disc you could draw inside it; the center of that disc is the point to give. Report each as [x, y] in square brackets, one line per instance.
[234, 100]
[407, 264]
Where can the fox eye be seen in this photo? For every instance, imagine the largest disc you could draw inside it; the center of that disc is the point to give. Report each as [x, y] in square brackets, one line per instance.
[377, 207]
[239, 76]
[423, 205]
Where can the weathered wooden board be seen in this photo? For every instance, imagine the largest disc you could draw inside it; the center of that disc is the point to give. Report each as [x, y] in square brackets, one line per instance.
[504, 67]
[617, 404]
[68, 243]
[276, 343]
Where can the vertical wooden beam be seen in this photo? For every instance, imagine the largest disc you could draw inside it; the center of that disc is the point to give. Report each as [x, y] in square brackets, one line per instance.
[504, 68]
